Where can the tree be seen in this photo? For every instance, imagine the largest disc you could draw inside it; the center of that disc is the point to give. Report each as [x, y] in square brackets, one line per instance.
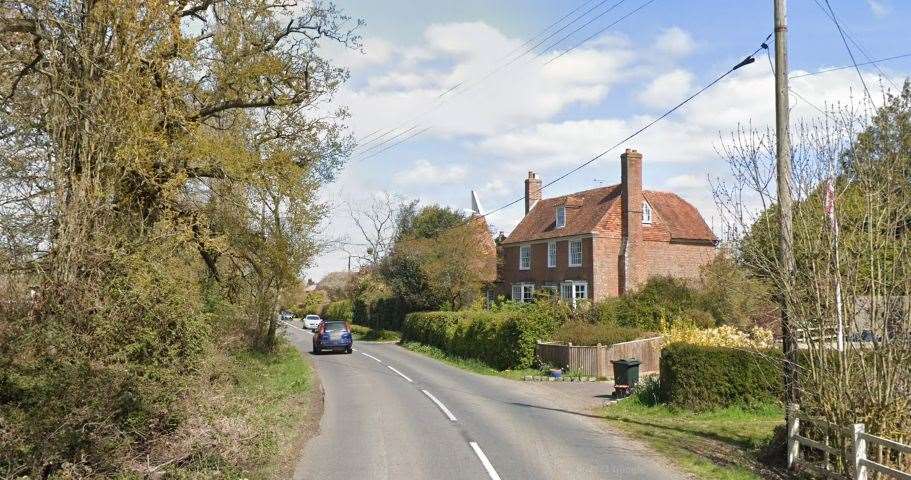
[158, 164]
[851, 247]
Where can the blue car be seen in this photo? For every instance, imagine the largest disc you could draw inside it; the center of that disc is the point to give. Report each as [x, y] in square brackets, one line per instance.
[332, 336]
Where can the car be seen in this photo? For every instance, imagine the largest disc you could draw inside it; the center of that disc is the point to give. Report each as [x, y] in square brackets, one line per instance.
[332, 335]
[286, 316]
[311, 322]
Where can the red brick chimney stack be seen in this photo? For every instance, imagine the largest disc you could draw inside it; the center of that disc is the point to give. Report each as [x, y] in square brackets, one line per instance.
[631, 213]
[532, 191]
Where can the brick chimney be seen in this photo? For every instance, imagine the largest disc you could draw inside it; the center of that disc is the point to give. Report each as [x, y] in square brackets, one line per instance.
[532, 191]
[631, 259]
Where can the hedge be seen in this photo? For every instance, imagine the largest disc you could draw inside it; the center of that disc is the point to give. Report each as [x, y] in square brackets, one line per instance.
[339, 311]
[704, 378]
[503, 340]
[584, 333]
[382, 314]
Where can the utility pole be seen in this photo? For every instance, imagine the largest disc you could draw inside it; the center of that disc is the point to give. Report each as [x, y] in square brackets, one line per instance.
[785, 222]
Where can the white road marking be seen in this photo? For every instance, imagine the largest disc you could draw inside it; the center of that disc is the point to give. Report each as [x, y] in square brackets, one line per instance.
[295, 327]
[484, 461]
[440, 404]
[400, 374]
[371, 356]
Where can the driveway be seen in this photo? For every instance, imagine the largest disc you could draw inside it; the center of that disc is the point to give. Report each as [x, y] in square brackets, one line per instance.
[394, 414]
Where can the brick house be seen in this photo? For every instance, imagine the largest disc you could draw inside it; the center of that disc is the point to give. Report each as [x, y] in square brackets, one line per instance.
[603, 242]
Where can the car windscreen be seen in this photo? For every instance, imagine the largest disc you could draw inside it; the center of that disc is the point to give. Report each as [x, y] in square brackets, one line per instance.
[335, 326]
[312, 317]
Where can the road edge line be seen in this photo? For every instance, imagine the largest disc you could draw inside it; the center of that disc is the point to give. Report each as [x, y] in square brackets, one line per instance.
[371, 356]
[400, 374]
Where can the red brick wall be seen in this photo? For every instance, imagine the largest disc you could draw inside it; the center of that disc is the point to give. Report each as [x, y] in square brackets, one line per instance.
[602, 274]
[539, 273]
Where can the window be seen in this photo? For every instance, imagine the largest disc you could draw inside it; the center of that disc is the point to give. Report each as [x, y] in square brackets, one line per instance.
[574, 291]
[523, 292]
[561, 216]
[646, 213]
[551, 254]
[575, 253]
[524, 257]
[551, 288]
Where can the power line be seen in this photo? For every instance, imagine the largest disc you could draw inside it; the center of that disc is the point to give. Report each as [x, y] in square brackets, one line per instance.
[833, 69]
[850, 53]
[860, 48]
[746, 61]
[466, 86]
[599, 32]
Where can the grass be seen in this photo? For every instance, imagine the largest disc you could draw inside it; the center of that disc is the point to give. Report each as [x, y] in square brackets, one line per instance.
[366, 333]
[470, 364]
[253, 419]
[721, 444]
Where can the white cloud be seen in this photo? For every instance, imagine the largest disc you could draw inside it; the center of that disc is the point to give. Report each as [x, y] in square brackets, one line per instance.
[675, 42]
[686, 181]
[667, 89]
[879, 8]
[425, 173]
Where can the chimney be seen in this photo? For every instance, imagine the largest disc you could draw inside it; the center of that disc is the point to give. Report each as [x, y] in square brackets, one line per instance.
[532, 191]
[631, 214]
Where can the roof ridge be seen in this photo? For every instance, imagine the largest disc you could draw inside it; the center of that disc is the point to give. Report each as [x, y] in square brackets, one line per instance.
[583, 191]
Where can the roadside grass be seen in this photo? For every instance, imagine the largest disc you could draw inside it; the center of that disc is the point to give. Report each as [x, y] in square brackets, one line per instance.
[718, 445]
[253, 418]
[470, 364]
[366, 333]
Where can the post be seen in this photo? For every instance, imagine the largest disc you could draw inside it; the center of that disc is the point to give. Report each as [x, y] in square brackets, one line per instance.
[860, 452]
[793, 431]
[786, 234]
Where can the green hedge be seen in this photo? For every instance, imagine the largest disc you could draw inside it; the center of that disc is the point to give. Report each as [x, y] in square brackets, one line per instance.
[704, 378]
[503, 340]
[584, 333]
[339, 311]
[383, 314]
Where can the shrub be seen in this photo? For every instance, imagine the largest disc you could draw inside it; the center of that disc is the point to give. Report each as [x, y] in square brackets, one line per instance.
[384, 313]
[723, 336]
[339, 311]
[583, 333]
[503, 340]
[701, 378]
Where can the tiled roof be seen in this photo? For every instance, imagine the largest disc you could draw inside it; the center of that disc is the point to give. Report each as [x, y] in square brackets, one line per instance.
[673, 218]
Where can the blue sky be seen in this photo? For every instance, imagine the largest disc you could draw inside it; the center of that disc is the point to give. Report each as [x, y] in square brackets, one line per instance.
[548, 117]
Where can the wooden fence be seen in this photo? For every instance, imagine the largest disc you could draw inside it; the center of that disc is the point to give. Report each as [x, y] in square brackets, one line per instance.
[595, 361]
[840, 452]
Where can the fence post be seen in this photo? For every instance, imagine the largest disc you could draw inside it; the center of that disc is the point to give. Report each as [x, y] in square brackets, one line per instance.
[601, 362]
[860, 452]
[793, 431]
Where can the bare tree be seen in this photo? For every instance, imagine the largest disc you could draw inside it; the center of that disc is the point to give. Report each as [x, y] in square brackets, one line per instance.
[376, 220]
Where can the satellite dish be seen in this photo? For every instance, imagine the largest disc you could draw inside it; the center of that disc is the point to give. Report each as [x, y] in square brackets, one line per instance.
[476, 204]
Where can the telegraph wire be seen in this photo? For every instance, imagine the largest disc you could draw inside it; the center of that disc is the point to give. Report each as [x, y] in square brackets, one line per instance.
[850, 53]
[466, 86]
[599, 32]
[871, 62]
[746, 61]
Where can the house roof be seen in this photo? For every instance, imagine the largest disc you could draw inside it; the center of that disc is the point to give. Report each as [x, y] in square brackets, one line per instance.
[673, 218]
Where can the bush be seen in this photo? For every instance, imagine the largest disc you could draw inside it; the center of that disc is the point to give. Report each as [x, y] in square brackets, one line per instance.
[705, 378]
[583, 333]
[384, 313]
[339, 311]
[503, 340]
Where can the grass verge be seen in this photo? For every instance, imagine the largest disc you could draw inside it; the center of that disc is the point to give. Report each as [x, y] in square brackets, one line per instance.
[366, 333]
[723, 444]
[470, 364]
[253, 419]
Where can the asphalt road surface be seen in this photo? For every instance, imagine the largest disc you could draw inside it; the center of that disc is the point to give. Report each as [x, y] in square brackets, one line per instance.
[394, 414]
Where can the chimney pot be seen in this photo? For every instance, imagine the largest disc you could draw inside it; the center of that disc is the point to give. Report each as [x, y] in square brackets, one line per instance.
[532, 191]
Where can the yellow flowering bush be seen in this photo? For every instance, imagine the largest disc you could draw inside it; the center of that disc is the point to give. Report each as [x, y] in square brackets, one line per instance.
[723, 336]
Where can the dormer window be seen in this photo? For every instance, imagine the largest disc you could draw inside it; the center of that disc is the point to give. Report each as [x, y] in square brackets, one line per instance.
[646, 213]
[561, 216]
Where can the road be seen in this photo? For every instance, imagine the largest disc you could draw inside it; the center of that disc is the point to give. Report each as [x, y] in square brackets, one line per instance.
[394, 414]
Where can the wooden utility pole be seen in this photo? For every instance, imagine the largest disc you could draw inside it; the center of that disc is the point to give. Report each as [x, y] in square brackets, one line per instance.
[785, 223]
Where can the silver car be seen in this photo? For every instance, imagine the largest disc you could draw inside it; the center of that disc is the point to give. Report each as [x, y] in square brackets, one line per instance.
[311, 322]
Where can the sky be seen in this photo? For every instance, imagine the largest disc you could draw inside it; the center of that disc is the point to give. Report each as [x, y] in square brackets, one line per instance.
[466, 108]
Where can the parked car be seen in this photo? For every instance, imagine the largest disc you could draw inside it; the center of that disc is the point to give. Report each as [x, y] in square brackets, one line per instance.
[311, 322]
[287, 316]
[333, 336]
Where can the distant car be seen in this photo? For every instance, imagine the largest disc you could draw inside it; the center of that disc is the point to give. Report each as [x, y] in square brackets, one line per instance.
[332, 336]
[312, 321]
[287, 316]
